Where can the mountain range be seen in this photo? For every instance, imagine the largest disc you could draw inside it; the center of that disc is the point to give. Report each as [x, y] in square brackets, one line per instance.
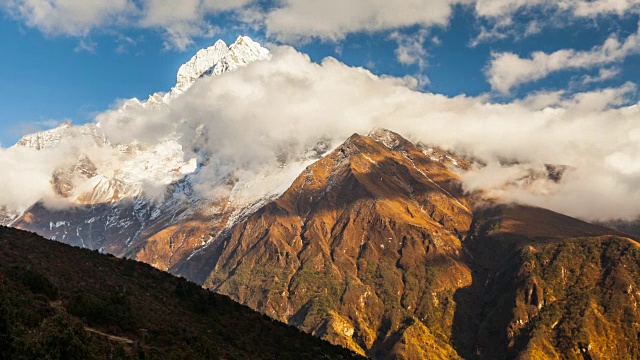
[374, 245]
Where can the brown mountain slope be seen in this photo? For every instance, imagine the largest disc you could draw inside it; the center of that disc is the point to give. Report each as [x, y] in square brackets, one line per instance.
[60, 302]
[375, 247]
[358, 251]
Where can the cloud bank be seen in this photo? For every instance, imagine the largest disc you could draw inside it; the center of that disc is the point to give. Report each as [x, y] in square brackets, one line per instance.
[250, 122]
[280, 108]
[334, 19]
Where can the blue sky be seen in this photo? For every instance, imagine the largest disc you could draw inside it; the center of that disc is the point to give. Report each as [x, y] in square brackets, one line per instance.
[65, 61]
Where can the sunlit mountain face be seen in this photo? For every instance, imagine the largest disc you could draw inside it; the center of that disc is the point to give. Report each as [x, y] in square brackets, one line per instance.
[453, 179]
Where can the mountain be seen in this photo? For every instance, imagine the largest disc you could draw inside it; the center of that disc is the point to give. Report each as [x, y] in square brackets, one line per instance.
[547, 286]
[373, 246]
[218, 59]
[109, 205]
[351, 249]
[376, 248]
[60, 302]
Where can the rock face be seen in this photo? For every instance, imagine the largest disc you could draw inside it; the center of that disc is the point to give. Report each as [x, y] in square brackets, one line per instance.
[49, 139]
[202, 61]
[45, 139]
[547, 286]
[240, 53]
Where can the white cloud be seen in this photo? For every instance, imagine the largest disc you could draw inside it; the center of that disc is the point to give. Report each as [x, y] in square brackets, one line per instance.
[70, 17]
[275, 110]
[181, 21]
[30, 175]
[499, 8]
[411, 48]
[497, 15]
[598, 7]
[278, 108]
[604, 74]
[86, 44]
[186, 20]
[297, 20]
[124, 43]
[579, 8]
[300, 20]
[508, 70]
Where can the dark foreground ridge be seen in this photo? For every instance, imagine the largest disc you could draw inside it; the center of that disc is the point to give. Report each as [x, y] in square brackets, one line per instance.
[61, 302]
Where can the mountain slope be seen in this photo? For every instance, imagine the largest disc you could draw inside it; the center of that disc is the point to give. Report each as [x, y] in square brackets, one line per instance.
[376, 248]
[356, 251]
[542, 289]
[68, 303]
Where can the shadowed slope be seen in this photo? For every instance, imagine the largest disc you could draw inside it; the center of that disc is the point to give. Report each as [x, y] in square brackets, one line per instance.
[57, 301]
[542, 290]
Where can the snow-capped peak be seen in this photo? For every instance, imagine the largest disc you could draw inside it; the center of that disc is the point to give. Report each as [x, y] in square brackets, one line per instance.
[218, 59]
[241, 53]
[202, 61]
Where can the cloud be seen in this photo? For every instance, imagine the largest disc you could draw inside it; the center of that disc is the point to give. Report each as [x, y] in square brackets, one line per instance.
[70, 17]
[28, 180]
[249, 123]
[604, 74]
[411, 48]
[508, 70]
[599, 7]
[497, 16]
[500, 8]
[87, 45]
[251, 120]
[124, 43]
[577, 8]
[180, 22]
[298, 20]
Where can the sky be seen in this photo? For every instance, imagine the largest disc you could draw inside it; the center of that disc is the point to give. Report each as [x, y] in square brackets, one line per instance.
[69, 60]
[515, 84]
